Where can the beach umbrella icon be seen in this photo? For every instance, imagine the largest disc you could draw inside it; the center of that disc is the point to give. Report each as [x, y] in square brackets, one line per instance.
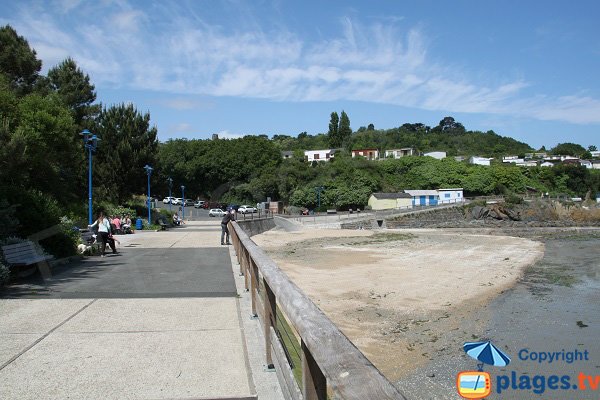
[486, 353]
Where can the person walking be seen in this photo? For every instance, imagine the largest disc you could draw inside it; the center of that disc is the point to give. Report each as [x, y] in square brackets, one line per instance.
[103, 231]
[229, 216]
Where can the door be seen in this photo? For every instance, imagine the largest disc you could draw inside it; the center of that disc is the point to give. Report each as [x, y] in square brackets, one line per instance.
[432, 201]
[423, 200]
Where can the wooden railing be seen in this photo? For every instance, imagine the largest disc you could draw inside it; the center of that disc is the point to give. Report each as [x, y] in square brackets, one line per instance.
[330, 362]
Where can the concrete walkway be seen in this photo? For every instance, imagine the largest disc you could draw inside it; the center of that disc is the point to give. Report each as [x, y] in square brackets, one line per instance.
[160, 320]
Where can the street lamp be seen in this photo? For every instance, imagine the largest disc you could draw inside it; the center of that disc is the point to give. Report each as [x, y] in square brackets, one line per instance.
[90, 141]
[170, 181]
[182, 202]
[149, 172]
[319, 189]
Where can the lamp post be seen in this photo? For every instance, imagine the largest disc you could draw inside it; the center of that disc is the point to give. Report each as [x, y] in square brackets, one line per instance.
[319, 189]
[90, 141]
[149, 172]
[170, 182]
[182, 202]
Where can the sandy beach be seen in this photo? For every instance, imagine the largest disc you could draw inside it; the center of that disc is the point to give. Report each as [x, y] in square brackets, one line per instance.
[399, 295]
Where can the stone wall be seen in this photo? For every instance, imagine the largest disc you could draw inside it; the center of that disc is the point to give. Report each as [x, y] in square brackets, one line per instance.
[256, 226]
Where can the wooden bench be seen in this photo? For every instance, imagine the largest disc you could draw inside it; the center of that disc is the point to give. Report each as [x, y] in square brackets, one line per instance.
[163, 225]
[25, 254]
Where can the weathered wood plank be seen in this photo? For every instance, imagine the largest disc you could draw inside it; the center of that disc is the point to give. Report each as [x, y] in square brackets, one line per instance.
[314, 384]
[348, 372]
[285, 375]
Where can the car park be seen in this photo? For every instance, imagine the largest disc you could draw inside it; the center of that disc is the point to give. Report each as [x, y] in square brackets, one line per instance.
[216, 212]
[246, 209]
[199, 204]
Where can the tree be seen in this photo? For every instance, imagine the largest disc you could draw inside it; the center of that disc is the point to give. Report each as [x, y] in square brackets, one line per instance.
[75, 89]
[592, 148]
[570, 149]
[371, 127]
[18, 62]
[344, 131]
[127, 144]
[333, 133]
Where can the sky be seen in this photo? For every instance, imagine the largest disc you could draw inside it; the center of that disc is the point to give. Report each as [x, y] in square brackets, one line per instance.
[524, 69]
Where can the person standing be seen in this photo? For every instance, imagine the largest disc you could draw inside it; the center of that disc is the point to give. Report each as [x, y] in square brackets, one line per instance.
[229, 216]
[103, 231]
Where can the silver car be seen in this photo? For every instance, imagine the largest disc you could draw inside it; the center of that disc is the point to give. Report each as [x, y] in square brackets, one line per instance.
[216, 212]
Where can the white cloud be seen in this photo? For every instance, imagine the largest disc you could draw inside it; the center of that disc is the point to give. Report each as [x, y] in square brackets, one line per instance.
[174, 50]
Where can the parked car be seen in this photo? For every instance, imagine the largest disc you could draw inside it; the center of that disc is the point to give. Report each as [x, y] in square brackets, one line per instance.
[168, 200]
[216, 212]
[176, 201]
[189, 202]
[246, 209]
[199, 204]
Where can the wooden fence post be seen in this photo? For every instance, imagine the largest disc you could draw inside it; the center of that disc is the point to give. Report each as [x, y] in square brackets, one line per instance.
[269, 316]
[314, 384]
[253, 286]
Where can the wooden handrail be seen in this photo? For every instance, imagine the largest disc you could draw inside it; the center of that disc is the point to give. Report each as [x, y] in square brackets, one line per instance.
[326, 350]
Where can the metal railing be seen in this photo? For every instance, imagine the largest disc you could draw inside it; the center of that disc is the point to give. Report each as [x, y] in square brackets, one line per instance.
[330, 362]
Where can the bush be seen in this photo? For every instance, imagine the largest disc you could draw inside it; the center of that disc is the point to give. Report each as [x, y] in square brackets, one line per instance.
[513, 199]
[4, 274]
[38, 211]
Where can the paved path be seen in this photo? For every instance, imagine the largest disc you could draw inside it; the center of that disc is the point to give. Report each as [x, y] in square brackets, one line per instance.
[160, 320]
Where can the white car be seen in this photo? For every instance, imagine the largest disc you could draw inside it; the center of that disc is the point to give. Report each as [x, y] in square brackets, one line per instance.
[176, 201]
[168, 200]
[246, 209]
[216, 212]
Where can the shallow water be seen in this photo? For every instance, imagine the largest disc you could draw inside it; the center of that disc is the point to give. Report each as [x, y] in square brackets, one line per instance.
[555, 307]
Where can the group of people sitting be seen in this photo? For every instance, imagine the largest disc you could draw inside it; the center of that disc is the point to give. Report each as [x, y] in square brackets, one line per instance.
[121, 225]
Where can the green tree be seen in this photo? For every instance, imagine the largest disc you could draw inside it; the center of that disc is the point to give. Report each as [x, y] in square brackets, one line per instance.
[74, 88]
[333, 133]
[18, 62]
[592, 148]
[570, 149]
[127, 144]
[344, 130]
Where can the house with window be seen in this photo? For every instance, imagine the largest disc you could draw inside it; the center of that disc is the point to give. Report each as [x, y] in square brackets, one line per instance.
[369, 154]
[424, 197]
[399, 153]
[319, 155]
[454, 195]
[386, 201]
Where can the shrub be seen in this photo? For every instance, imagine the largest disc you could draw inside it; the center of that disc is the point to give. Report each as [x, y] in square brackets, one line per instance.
[513, 199]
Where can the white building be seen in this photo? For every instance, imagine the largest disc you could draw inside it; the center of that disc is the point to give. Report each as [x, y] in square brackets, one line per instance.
[319, 155]
[480, 160]
[369, 154]
[424, 197]
[399, 153]
[454, 195]
[547, 164]
[436, 154]
[595, 154]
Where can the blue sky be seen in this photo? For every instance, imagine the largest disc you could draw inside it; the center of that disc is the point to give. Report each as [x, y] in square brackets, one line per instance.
[525, 69]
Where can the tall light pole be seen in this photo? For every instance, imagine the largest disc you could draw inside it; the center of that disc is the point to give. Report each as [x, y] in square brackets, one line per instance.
[319, 189]
[90, 141]
[182, 202]
[149, 172]
[170, 181]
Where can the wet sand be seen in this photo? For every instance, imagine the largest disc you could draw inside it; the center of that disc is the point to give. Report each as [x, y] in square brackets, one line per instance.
[413, 329]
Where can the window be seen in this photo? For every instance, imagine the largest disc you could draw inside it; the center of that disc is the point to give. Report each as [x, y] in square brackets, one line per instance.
[457, 194]
[316, 157]
[447, 195]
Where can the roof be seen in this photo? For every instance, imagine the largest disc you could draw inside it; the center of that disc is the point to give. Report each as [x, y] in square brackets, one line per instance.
[451, 189]
[413, 193]
[391, 196]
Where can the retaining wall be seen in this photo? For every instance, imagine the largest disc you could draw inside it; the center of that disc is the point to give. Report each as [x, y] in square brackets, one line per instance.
[256, 226]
